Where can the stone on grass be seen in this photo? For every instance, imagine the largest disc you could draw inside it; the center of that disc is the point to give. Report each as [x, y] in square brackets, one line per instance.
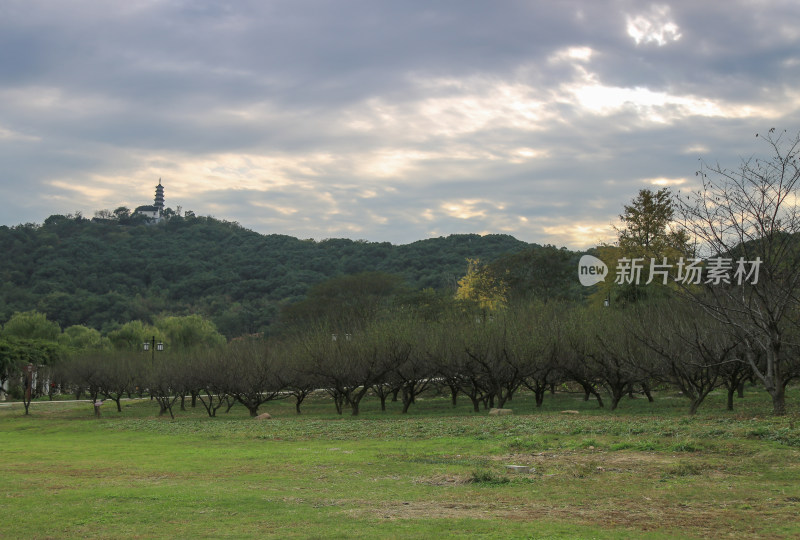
[263, 416]
[519, 468]
[570, 412]
[500, 412]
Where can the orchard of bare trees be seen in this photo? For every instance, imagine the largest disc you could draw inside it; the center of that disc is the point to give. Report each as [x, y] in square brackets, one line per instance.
[484, 358]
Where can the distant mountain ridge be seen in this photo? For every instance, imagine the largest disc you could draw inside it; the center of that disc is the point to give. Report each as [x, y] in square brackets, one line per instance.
[103, 272]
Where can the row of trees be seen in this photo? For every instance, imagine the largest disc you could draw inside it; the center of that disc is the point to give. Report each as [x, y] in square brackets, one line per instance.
[483, 356]
[30, 338]
[739, 229]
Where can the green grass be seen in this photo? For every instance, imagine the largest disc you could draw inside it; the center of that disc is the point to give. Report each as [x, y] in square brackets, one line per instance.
[645, 471]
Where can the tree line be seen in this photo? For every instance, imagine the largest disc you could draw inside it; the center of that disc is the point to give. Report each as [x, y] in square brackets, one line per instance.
[106, 271]
[484, 357]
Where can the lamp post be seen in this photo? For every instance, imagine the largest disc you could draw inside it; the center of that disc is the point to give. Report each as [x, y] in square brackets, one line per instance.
[153, 347]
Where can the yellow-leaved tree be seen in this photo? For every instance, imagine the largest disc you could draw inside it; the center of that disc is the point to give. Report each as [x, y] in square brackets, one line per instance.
[482, 287]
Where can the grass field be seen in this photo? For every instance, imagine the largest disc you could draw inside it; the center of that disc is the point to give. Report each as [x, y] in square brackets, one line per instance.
[645, 471]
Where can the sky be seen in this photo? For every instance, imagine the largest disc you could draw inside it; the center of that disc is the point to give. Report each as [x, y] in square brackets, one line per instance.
[385, 120]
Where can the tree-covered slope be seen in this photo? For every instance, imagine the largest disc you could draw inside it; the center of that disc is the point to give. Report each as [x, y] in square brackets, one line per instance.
[105, 272]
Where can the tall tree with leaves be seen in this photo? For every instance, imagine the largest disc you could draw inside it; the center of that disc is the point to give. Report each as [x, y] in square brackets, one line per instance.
[31, 325]
[647, 224]
[647, 234]
[482, 287]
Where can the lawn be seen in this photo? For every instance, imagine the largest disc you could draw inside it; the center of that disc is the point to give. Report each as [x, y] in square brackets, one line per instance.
[647, 470]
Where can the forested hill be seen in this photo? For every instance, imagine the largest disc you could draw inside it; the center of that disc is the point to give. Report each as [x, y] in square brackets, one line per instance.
[101, 273]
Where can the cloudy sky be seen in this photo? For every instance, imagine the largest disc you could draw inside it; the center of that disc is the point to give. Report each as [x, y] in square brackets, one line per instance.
[385, 120]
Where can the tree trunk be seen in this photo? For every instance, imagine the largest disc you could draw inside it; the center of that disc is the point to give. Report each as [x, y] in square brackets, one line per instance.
[476, 403]
[600, 403]
[695, 405]
[779, 400]
[408, 399]
[646, 390]
[617, 393]
[539, 393]
[589, 390]
[168, 407]
[731, 391]
[338, 400]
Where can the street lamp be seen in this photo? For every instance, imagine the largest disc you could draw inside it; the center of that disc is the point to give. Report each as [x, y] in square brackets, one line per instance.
[153, 347]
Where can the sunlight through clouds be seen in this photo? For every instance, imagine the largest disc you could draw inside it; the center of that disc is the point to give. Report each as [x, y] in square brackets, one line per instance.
[283, 210]
[666, 182]
[581, 234]
[654, 26]
[464, 209]
[661, 107]
[572, 54]
[91, 192]
[649, 105]
[472, 105]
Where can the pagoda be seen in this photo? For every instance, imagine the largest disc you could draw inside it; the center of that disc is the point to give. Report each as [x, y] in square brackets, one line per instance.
[154, 212]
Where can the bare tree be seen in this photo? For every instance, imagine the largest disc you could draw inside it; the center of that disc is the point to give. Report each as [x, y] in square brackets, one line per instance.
[411, 370]
[209, 377]
[85, 371]
[691, 352]
[748, 218]
[298, 380]
[348, 365]
[604, 351]
[253, 374]
[165, 377]
[117, 375]
[536, 344]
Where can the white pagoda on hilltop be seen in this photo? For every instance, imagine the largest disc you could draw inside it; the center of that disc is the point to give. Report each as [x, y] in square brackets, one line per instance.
[154, 212]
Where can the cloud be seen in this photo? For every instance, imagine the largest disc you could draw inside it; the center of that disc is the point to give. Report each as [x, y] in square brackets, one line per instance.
[385, 120]
[654, 26]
